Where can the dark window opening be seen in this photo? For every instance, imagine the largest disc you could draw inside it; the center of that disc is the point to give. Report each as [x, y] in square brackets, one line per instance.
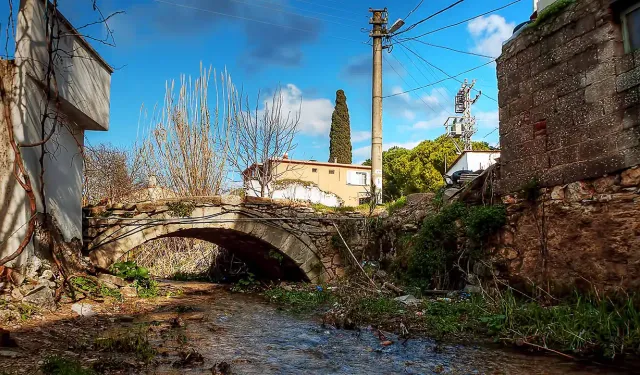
[314, 170]
[331, 171]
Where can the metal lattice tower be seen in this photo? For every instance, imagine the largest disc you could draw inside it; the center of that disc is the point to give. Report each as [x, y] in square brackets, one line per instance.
[463, 127]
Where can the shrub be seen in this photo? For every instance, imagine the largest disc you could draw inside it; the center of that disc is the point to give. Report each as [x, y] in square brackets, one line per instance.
[55, 365]
[130, 271]
[396, 205]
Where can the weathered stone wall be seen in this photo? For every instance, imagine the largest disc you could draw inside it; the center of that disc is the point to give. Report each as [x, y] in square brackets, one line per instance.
[307, 236]
[581, 235]
[569, 99]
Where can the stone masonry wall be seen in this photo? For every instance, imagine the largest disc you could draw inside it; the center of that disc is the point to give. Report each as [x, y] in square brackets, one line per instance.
[307, 224]
[581, 235]
[569, 99]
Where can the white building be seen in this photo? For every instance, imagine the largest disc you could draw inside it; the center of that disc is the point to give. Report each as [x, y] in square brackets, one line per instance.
[82, 84]
[473, 161]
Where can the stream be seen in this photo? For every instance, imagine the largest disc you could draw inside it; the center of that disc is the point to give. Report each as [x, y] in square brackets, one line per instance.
[255, 337]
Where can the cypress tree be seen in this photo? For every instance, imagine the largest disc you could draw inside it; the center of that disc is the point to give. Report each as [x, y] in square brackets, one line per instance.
[340, 135]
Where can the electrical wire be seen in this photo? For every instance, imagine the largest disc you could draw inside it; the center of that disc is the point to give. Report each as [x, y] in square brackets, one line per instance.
[444, 72]
[296, 14]
[440, 81]
[251, 19]
[427, 78]
[327, 6]
[405, 82]
[429, 17]
[454, 50]
[414, 9]
[461, 22]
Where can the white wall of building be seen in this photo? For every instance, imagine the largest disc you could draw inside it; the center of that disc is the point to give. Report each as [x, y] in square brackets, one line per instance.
[83, 86]
[473, 161]
[297, 192]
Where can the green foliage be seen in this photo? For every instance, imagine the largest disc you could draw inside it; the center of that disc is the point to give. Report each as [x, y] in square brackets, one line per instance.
[130, 271]
[181, 209]
[340, 134]
[26, 311]
[369, 308]
[396, 205]
[274, 254]
[322, 208]
[91, 289]
[531, 190]
[299, 300]
[420, 169]
[432, 260]
[551, 11]
[128, 340]
[436, 249]
[55, 365]
[481, 222]
[583, 325]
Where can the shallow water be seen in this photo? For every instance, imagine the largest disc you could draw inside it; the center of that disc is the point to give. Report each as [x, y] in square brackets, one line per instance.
[257, 338]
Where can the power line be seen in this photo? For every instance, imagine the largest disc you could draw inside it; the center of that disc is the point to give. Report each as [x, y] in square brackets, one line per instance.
[441, 70]
[293, 13]
[430, 17]
[327, 6]
[252, 19]
[425, 76]
[414, 9]
[278, 6]
[440, 81]
[453, 49]
[461, 22]
[403, 80]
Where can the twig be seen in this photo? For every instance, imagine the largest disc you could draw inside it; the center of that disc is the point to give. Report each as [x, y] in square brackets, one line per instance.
[549, 349]
[354, 257]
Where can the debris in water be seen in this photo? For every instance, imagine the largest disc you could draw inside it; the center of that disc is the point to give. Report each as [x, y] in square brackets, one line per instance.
[222, 368]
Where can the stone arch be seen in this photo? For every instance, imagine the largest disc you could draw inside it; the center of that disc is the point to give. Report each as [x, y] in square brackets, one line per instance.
[237, 231]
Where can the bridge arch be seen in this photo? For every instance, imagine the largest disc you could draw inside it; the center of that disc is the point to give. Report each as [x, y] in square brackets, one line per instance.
[249, 234]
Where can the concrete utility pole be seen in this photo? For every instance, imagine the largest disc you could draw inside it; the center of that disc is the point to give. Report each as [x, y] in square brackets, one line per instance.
[378, 20]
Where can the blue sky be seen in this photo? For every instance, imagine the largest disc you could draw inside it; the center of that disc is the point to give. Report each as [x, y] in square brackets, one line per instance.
[317, 48]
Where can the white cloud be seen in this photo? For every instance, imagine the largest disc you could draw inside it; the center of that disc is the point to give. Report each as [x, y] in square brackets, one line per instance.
[489, 33]
[315, 114]
[360, 136]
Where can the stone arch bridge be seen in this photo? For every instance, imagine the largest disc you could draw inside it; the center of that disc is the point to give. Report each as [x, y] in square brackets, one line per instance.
[253, 229]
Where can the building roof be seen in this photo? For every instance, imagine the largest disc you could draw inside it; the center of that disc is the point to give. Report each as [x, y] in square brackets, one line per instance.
[312, 162]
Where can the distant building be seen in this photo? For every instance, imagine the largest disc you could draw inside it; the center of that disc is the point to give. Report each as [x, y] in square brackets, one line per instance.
[331, 184]
[474, 161]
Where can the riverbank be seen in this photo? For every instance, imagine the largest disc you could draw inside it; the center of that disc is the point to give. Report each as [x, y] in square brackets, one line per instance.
[200, 327]
[578, 328]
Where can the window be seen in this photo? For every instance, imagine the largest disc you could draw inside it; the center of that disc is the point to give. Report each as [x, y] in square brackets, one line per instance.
[357, 178]
[631, 27]
[314, 170]
[331, 171]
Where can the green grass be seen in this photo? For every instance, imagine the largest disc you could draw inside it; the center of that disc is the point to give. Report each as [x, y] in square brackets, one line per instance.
[128, 340]
[396, 205]
[91, 289]
[55, 365]
[299, 300]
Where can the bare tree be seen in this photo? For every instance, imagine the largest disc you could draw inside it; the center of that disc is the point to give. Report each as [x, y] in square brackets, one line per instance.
[110, 173]
[265, 136]
[188, 145]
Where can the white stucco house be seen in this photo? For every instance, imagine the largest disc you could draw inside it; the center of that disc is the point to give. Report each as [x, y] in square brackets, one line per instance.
[82, 85]
[473, 161]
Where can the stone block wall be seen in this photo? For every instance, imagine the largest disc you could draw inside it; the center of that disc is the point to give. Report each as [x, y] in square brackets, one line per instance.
[569, 99]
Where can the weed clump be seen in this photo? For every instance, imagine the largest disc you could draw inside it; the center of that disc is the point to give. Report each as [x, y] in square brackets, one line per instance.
[134, 341]
[396, 205]
[130, 271]
[300, 300]
[55, 365]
